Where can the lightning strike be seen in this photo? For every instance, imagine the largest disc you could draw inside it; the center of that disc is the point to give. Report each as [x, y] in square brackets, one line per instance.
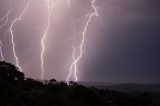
[50, 6]
[1, 54]
[6, 18]
[77, 51]
[72, 67]
[76, 59]
[12, 35]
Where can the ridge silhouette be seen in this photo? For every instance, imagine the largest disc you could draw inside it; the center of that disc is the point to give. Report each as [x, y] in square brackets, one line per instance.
[16, 90]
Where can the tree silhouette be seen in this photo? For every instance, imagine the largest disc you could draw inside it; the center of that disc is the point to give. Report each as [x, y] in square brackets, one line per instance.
[10, 72]
[53, 81]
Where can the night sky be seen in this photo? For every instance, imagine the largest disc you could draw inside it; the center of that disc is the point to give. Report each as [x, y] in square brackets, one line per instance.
[122, 45]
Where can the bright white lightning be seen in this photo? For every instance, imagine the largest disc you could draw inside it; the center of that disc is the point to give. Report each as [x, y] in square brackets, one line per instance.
[76, 59]
[72, 67]
[12, 35]
[50, 6]
[1, 54]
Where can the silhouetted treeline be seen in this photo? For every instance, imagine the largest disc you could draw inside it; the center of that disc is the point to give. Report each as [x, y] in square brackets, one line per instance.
[16, 90]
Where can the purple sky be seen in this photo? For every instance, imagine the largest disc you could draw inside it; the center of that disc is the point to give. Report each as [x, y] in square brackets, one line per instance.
[122, 45]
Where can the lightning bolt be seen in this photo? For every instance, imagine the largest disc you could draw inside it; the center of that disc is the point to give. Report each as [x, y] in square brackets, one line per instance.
[6, 18]
[73, 66]
[12, 35]
[1, 54]
[50, 6]
[76, 59]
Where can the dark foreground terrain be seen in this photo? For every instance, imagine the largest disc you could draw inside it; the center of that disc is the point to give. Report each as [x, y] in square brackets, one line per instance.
[16, 90]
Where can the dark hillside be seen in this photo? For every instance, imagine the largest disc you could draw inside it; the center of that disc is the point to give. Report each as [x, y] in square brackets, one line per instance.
[16, 90]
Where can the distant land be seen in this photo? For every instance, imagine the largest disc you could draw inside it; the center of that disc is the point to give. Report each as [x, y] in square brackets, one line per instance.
[124, 87]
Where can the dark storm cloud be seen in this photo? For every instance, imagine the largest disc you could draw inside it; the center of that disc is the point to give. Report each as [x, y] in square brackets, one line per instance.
[130, 48]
